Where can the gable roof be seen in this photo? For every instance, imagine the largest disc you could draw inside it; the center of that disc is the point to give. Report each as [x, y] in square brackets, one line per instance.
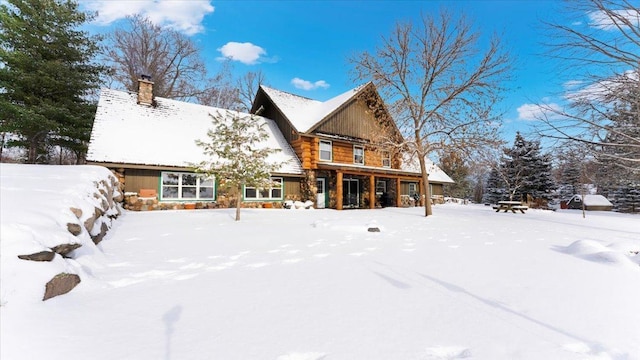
[128, 133]
[303, 113]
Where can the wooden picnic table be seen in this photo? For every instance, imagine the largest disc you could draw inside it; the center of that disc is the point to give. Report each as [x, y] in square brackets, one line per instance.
[512, 206]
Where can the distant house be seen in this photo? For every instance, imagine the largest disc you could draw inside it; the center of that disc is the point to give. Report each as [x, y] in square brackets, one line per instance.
[150, 143]
[344, 148]
[331, 151]
[591, 202]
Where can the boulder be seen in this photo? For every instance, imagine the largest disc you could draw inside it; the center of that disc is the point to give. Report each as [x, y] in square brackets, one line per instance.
[39, 256]
[74, 229]
[60, 284]
[77, 212]
[373, 229]
[65, 249]
[103, 231]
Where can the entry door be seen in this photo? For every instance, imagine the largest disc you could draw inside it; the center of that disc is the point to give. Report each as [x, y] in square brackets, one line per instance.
[320, 195]
[350, 193]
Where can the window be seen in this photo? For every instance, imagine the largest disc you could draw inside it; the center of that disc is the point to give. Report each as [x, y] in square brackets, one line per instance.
[186, 186]
[386, 159]
[412, 189]
[326, 151]
[273, 192]
[381, 187]
[358, 155]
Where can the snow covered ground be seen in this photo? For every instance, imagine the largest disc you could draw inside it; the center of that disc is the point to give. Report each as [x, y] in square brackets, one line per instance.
[315, 284]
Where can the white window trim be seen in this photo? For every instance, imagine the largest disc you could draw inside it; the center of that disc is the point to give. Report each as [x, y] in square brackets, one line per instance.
[179, 186]
[259, 197]
[415, 188]
[327, 142]
[386, 155]
[354, 154]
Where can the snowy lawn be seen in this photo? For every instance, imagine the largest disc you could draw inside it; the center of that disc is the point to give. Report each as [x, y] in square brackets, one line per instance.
[315, 284]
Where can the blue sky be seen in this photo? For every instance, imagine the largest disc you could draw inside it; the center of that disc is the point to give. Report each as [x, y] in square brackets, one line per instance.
[302, 46]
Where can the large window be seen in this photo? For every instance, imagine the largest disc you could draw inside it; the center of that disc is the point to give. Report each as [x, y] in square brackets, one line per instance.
[326, 150]
[358, 155]
[273, 192]
[386, 158]
[186, 186]
[381, 187]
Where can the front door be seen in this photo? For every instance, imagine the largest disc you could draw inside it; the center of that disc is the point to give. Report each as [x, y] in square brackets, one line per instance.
[320, 194]
[350, 193]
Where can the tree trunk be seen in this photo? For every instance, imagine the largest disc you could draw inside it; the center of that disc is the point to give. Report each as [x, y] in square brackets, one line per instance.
[425, 186]
[238, 202]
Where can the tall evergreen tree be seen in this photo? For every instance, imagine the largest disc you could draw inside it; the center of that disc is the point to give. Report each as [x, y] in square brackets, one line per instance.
[495, 189]
[47, 75]
[454, 165]
[526, 172]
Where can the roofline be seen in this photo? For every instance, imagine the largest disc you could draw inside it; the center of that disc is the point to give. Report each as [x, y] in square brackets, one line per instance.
[167, 168]
[260, 89]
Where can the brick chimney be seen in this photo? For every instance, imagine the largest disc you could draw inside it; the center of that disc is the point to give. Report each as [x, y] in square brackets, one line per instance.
[145, 90]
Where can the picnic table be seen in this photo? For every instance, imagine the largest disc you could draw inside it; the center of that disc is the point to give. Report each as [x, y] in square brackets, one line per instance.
[512, 206]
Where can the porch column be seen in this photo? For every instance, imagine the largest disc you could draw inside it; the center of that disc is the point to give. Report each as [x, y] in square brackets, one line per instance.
[398, 193]
[372, 192]
[421, 203]
[338, 190]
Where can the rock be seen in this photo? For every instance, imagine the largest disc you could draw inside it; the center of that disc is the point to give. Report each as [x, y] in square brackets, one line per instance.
[103, 231]
[373, 229]
[65, 249]
[77, 212]
[60, 284]
[74, 229]
[88, 224]
[39, 256]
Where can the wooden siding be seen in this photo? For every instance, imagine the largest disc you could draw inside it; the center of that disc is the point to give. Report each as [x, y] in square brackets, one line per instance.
[291, 188]
[354, 120]
[306, 148]
[136, 179]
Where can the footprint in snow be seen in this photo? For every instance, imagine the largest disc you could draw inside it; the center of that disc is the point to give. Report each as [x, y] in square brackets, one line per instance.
[448, 353]
[302, 356]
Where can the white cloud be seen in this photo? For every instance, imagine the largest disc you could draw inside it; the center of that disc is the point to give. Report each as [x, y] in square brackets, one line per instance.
[183, 16]
[246, 53]
[538, 111]
[572, 84]
[308, 85]
[603, 21]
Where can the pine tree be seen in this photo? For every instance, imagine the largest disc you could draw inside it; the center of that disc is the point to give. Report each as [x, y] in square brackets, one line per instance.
[453, 164]
[47, 75]
[495, 188]
[526, 172]
[237, 155]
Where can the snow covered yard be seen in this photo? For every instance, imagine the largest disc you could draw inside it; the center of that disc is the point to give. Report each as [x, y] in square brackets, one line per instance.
[315, 284]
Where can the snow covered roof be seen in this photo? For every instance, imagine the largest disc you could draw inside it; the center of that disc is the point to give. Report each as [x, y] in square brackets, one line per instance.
[305, 113]
[435, 173]
[594, 200]
[165, 135]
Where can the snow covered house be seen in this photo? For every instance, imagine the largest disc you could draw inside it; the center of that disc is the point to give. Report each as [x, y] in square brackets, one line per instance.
[591, 202]
[343, 147]
[150, 144]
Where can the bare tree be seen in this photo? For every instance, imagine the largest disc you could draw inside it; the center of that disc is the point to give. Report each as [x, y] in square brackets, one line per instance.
[171, 59]
[598, 43]
[248, 87]
[441, 87]
[220, 91]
